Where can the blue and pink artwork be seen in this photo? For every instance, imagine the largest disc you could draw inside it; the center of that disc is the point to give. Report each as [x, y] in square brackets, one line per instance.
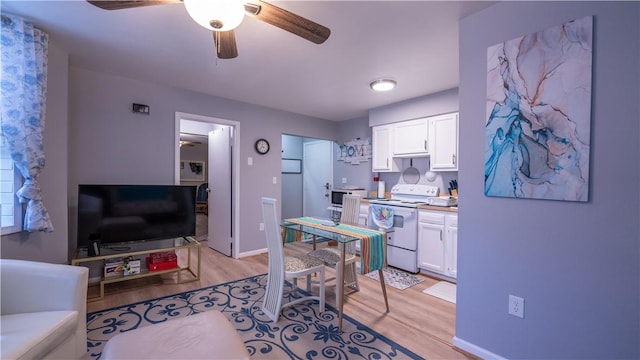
[537, 135]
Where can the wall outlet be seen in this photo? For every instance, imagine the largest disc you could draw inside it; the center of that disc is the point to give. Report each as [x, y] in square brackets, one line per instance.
[261, 226]
[275, 180]
[516, 306]
[344, 180]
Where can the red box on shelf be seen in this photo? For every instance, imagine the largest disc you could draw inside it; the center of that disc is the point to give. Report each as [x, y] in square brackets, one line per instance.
[162, 261]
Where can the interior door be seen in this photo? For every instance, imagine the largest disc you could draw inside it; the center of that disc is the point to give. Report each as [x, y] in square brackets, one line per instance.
[220, 190]
[317, 175]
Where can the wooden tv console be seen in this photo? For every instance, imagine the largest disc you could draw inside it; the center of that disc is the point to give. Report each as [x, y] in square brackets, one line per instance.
[187, 249]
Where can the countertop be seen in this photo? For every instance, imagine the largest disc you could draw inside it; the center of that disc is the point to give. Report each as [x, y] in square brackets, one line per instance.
[423, 207]
[438, 208]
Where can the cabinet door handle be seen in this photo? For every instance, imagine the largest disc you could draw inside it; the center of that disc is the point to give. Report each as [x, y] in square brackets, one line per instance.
[425, 144]
[387, 162]
[453, 158]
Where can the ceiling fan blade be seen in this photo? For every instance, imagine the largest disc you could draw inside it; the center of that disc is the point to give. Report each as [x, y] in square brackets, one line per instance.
[288, 21]
[117, 5]
[225, 44]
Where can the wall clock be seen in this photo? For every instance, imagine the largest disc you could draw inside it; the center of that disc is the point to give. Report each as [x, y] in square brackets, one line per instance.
[262, 146]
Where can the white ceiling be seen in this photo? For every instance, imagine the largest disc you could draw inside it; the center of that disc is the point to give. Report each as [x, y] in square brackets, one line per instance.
[413, 42]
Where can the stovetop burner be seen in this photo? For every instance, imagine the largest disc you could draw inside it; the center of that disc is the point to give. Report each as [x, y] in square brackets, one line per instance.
[409, 195]
[397, 202]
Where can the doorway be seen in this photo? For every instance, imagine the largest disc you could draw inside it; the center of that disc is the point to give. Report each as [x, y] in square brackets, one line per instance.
[309, 168]
[222, 137]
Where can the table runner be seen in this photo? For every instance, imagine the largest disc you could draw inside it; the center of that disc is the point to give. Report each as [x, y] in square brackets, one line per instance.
[372, 244]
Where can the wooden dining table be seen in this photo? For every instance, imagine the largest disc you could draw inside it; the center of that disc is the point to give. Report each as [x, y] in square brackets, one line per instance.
[372, 248]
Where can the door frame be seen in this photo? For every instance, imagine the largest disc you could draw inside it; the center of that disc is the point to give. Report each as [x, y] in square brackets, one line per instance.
[235, 173]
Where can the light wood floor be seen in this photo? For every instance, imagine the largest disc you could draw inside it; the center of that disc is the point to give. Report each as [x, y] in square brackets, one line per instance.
[419, 322]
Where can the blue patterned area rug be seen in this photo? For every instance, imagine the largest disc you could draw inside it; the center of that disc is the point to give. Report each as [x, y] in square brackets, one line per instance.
[301, 332]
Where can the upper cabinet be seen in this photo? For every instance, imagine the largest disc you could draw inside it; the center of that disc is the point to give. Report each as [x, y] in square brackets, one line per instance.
[434, 136]
[443, 142]
[410, 138]
[382, 159]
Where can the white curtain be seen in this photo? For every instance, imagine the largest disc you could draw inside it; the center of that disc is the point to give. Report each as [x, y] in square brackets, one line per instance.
[24, 85]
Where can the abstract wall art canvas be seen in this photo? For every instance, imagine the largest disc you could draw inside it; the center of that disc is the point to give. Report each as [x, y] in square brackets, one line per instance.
[538, 127]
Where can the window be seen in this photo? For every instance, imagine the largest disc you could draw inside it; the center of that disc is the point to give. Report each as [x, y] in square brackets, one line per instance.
[10, 181]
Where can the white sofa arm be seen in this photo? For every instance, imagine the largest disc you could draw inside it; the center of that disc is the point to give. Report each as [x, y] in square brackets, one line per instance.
[29, 286]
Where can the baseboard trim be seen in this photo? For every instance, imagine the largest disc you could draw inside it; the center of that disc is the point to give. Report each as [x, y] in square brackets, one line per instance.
[252, 253]
[474, 349]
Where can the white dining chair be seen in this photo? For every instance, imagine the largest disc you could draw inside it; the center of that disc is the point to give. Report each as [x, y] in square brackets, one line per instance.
[330, 255]
[282, 267]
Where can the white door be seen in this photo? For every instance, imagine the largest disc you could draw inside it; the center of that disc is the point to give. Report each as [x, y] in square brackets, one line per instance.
[220, 190]
[317, 177]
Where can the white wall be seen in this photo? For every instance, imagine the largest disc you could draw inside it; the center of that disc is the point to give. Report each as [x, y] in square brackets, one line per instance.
[360, 174]
[576, 264]
[50, 247]
[111, 144]
[433, 104]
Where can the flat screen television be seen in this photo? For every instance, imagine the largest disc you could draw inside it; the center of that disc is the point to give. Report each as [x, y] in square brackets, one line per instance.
[125, 213]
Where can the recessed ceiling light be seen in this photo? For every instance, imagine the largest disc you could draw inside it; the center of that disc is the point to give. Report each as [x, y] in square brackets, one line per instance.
[383, 85]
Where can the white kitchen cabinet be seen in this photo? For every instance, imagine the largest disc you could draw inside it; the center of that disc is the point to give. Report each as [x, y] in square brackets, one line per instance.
[431, 241]
[451, 253]
[382, 159]
[443, 142]
[363, 215]
[438, 242]
[410, 138]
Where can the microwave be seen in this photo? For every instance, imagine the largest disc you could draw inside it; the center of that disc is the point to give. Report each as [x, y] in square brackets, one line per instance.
[337, 194]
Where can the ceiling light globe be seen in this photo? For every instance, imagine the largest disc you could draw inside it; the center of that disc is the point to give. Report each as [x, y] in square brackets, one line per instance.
[383, 85]
[216, 15]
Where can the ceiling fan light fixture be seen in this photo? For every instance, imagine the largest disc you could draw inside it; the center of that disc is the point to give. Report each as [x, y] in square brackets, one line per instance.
[216, 15]
[383, 85]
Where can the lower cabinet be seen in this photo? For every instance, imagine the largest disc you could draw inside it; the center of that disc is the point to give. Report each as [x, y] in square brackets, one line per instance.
[437, 242]
[451, 255]
[363, 220]
[363, 216]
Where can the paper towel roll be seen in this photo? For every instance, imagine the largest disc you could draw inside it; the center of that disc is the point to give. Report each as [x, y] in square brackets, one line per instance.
[381, 189]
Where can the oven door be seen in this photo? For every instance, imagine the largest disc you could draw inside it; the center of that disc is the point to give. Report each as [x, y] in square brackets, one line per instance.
[405, 228]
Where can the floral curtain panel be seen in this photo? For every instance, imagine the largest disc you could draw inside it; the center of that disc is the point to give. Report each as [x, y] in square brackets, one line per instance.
[24, 85]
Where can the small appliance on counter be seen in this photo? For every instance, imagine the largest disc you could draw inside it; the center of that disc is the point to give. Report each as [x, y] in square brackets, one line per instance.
[444, 201]
[338, 193]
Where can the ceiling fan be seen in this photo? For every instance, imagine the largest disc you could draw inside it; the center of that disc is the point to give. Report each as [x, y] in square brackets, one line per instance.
[213, 15]
[187, 139]
[189, 143]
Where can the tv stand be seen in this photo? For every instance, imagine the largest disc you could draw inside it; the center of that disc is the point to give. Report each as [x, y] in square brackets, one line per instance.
[187, 249]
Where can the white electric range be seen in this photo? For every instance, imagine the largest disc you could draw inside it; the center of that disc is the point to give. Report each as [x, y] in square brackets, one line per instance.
[402, 239]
